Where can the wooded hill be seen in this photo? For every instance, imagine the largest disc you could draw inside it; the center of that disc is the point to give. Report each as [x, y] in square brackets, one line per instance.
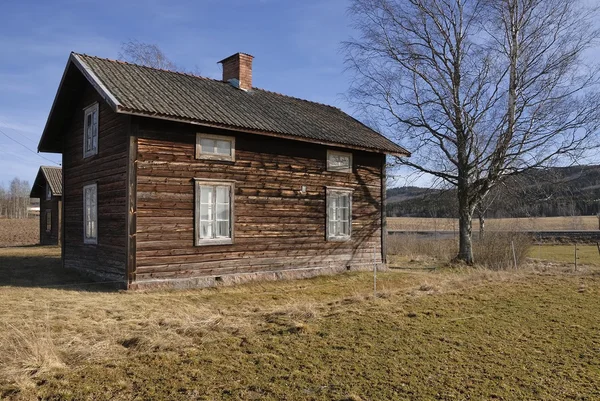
[561, 191]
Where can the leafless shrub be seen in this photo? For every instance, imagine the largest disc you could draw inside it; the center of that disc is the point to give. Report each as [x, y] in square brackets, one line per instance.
[416, 246]
[495, 251]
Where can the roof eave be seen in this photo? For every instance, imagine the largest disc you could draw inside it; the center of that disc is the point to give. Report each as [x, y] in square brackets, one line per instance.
[260, 132]
[92, 79]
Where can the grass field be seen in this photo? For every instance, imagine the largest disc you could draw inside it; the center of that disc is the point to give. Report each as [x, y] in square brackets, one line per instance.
[586, 254]
[446, 334]
[514, 224]
[17, 232]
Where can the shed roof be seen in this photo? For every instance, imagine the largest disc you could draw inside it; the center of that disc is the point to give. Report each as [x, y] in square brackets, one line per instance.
[145, 91]
[47, 174]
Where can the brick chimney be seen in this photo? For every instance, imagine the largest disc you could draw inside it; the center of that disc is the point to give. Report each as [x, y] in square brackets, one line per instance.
[237, 70]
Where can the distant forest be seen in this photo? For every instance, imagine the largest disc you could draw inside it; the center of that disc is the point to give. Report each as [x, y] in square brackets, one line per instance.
[14, 199]
[567, 191]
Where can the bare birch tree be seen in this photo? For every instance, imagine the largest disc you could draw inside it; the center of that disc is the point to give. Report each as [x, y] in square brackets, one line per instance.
[478, 90]
[147, 54]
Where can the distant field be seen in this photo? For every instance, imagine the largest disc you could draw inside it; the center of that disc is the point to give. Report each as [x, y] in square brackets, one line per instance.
[517, 224]
[17, 232]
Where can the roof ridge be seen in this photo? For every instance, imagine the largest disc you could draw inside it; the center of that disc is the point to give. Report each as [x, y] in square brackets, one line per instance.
[147, 67]
[202, 77]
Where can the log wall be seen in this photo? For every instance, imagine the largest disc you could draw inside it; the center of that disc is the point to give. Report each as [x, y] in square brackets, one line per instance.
[276, 227]
[107, 259]
[50, 237]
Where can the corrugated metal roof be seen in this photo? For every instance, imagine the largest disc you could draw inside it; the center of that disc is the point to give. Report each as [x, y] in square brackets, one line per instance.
[167, 94]
[52, 176]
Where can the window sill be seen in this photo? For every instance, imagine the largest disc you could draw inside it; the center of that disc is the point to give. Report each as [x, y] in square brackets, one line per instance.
[90, 241]
[209, 242]
[339, 239]
[216, 158]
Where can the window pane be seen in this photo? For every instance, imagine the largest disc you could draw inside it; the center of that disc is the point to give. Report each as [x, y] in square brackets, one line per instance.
[222, 212]
[345, 228]
[206, 229]
[223, 229]
[206, 194]
[207, 145]
[222, 195]
[338, 161]
[223, 147]
[205, 212]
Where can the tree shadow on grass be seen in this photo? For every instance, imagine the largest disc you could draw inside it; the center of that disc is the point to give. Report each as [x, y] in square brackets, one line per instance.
[41, 266]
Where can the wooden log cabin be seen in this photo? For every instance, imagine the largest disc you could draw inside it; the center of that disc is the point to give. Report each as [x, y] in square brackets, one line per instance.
[48, 188]
[176, 180]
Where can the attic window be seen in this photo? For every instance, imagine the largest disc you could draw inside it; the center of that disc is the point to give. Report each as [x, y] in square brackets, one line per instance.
[90, 131]
[48, 192]
[215, 147]
[339, 161]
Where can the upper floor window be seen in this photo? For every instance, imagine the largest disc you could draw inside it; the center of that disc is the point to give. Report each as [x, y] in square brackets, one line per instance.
[90, 131]
[90, 214]
[339, 161]
[214, 212]
[215, 147]
[339, 214]
[48, 192]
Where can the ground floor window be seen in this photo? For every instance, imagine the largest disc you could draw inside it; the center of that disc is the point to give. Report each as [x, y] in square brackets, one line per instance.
[48, 221]
[90, 214]
[214, 212]
[339, 214]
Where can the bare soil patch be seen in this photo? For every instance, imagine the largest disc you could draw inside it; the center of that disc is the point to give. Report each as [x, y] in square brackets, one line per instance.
[19, 232]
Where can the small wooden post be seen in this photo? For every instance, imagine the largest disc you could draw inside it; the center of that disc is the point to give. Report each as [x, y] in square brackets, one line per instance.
[512, 244]
[598, 245]
[576, 257]
[374, 274]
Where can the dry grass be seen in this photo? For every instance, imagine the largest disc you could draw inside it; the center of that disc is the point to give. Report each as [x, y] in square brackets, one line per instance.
[18, 232]
[448, 334]
[494, 252]
[512, 224]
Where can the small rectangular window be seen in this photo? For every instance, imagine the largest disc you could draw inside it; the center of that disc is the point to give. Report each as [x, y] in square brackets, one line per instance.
[48, 192]
[214, 212]
[339, 214]
[339, 161]
[215, 147]
[90, 131]
[90, 214]
[48, 221]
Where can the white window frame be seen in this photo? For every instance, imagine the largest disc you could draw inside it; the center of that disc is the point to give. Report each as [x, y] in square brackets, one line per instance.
[331, 153]
[330, 193]
[48, 192]
[90, 137]
[202, 154]
[198, 183]
[48, 220]
[93, 218]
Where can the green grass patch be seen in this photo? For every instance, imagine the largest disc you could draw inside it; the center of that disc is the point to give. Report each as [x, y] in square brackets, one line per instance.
[587, 254]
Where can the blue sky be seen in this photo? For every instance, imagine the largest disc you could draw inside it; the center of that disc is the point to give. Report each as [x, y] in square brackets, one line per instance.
[296, 45]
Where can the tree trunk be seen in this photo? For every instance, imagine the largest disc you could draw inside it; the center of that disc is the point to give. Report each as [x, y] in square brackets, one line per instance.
[481, 224]
[465, 227]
